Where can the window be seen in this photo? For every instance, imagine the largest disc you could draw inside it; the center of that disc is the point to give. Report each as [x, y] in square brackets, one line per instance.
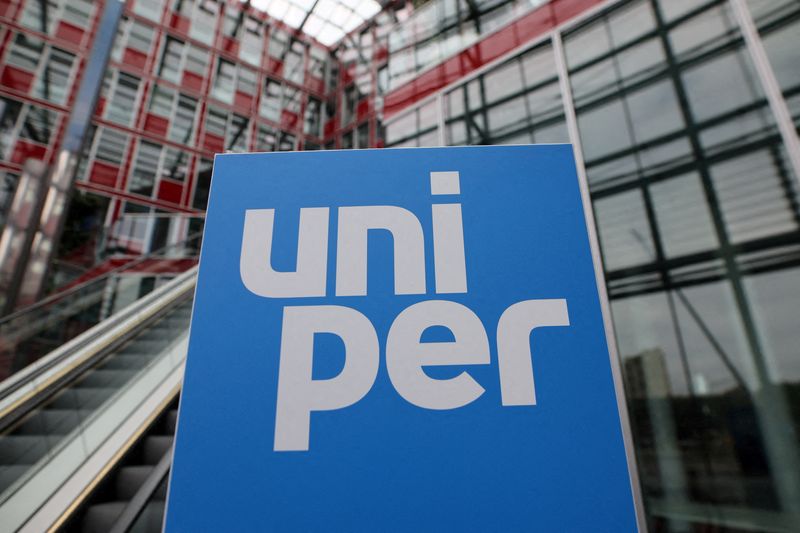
[347, 140]
[161, 101]
[181, 115]
[177, 56]
[78, 12]
[237, 134]
[122, 98]
[196, 60]
[224, 81]
[170, 67]
[316, 63]
[363, 135]
[140, 37]
[383, 80]
[278, 41]
[202, 184]
[246, 82]
[231, 22]
[39, 15]
[293, 63]
[204, 21]
[150, 9]
[53, 83]
[8, 188]
[182, 125]
[271, 101]
[9, 114]
[111, 146]
[313, 120]
[267, 139]
[183, 7]
[174, 165]
[25, 52]
[349, 105]
[291, 100]
[216, 119]
[42, 15]
[286, 143]
[145, 168]
[252, 41]
[39, 124]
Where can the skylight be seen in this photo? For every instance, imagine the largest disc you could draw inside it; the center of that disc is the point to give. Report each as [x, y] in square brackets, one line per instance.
[328, 21]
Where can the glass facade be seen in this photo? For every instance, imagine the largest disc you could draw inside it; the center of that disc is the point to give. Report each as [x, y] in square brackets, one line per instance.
[677, 117]
[696, 205]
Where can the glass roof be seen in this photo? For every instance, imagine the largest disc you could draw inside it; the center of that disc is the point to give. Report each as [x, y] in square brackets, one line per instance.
[326, 20]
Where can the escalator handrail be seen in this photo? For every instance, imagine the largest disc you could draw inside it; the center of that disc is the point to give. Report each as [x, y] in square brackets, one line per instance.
[75, 288]
[59, 363]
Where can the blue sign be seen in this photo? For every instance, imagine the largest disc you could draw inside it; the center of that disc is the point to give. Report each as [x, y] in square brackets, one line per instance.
[398, 340]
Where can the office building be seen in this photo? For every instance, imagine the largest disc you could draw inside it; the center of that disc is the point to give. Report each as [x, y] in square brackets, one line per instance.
[684, 115]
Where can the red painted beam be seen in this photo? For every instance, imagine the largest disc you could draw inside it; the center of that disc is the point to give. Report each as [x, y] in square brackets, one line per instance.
[523, 30]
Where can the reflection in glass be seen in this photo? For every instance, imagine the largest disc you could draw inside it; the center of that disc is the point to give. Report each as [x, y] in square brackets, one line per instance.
[697, 214]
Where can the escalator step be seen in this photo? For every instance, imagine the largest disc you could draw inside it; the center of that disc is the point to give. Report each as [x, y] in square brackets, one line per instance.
[161, 492]
[171, 421]
[106, 378]
[130, 479]
[155, 446]
[151, 519]
[80, 398]
[124, 362]
[144, 349]
[100, 517]
[21, 449]
[51, 422]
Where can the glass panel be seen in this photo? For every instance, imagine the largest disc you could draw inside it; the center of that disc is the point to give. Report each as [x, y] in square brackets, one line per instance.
[216, 120]
[270, 107]
[39, 15]
[140, 37]
[778, 21]
[697, 213]
[204, 21]
[508, 104]
[313, 121]
[161, 101]
[9, 115]
[252, 42]
[25, 52]
[202, 184]
[182, 125]
[175, 164]
[145, 168]
[170, 66]
[111, 145]
[237, 140]
[122, 101]
[53, 84]
[224, 81]
[78, 12]
[196, 60]
[150, 9]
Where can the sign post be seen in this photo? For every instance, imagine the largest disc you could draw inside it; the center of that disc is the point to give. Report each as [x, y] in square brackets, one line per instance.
[399, 340]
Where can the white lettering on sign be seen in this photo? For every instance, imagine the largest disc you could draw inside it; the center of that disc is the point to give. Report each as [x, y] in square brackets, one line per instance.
[406, 355]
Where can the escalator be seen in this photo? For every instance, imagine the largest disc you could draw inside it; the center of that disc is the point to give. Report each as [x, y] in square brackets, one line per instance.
[86, 430]
[132, 497]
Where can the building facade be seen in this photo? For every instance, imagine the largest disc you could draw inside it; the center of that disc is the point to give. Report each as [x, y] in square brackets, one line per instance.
[684, 115]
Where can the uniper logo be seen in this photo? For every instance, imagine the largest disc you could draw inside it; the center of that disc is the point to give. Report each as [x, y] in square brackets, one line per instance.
[406, 355]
